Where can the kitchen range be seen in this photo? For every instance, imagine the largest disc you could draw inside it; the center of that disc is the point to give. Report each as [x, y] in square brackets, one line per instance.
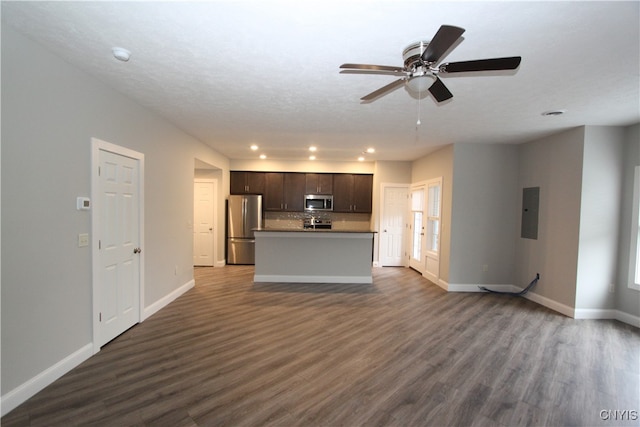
[313, 223]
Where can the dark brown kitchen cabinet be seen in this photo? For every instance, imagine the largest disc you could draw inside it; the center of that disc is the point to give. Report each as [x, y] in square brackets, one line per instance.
[284, 191]
[319, 183]
[294, 184]
[352, 192]
[362, 193]
[247, 182]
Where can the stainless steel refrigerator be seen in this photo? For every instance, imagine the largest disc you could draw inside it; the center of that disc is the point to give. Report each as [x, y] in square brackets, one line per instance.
[244, 214]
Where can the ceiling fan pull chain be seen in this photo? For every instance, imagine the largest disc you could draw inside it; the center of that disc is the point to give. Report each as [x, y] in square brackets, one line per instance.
[419, 99]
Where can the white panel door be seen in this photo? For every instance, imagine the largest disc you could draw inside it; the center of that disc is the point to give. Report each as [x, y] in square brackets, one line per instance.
[118, 244]
[203, 199]
[394, 211]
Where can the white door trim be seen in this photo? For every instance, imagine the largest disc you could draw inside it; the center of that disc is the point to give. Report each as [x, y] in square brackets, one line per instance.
[98, 145]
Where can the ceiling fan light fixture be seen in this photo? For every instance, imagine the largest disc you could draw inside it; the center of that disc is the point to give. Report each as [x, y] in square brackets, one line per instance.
[420, 84]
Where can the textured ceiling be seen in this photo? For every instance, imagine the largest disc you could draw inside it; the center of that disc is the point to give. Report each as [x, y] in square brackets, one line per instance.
[238, 73]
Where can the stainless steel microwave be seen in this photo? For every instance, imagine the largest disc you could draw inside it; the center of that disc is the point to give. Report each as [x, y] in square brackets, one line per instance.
[318, 202]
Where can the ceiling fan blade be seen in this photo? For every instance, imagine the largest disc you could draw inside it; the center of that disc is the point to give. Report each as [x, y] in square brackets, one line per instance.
[372, 72]
[494, 64]
[441, 42]
[373, 67]
[440, 91]
[383, 90]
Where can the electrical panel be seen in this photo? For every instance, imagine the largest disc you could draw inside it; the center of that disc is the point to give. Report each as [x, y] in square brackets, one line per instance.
[530, 204]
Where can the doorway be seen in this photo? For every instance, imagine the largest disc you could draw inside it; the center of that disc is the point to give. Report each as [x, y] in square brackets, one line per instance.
[118, 233]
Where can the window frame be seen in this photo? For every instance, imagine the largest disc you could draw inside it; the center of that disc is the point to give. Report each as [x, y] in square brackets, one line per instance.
[634, 245]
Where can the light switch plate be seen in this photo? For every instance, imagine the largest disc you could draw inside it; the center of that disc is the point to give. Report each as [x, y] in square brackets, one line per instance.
[83, 240]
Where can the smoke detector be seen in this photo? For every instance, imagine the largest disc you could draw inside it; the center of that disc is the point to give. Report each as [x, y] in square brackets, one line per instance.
[121, 54]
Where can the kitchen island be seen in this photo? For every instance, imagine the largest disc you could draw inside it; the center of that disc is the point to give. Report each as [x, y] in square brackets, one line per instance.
[313, 256]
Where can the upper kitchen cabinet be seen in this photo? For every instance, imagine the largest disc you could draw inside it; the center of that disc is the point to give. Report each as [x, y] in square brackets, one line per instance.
[352, 193]
[319, 183]
[247, 182]
[284, 191]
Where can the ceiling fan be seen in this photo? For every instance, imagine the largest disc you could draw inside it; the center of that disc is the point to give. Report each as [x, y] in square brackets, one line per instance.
[420, 72]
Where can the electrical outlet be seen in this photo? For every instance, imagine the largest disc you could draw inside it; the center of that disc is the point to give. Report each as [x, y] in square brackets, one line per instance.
[485, 267]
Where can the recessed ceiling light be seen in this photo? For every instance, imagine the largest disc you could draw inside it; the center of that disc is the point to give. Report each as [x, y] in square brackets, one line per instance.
[312, 157]
[371, 150]
[263, 156]
[361, 159]
[254, 147]
[554, 113]
[121, 54]
[313, 148]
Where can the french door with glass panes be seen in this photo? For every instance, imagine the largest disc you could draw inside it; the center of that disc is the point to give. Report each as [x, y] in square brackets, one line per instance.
[433, 229]
[416, 258]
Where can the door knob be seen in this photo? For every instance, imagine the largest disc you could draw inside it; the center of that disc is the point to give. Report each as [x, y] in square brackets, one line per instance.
[137, 250]
[210, 228]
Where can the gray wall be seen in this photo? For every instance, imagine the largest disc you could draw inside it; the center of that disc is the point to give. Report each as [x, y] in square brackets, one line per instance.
[555, 165]
[439, 164]
[484, 214]
[599, 217]
[50, 112]
[627, 299]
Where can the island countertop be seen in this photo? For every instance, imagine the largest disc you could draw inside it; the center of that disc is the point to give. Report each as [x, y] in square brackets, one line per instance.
[312, 230]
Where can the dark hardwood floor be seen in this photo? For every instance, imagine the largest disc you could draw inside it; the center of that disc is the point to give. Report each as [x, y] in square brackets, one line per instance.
[400, 352]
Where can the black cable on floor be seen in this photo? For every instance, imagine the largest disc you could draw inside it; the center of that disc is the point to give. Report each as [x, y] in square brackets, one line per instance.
[517, 294]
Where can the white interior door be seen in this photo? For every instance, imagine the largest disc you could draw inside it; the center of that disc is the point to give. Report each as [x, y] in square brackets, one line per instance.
[392, 223]
[417, 226]
[203, 229]
[117, 255]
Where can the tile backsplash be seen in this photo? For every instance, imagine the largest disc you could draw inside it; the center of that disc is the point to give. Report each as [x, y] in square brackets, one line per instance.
[340, 221]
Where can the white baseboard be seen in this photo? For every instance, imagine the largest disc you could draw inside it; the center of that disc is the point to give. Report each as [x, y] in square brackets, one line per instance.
[475, 288]
[162, 302]
[549, 303]
[453, 287]
[271, 278]
[594, 313]
[220, 263]
[627, 318]
[602, 314]
[23, 392]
